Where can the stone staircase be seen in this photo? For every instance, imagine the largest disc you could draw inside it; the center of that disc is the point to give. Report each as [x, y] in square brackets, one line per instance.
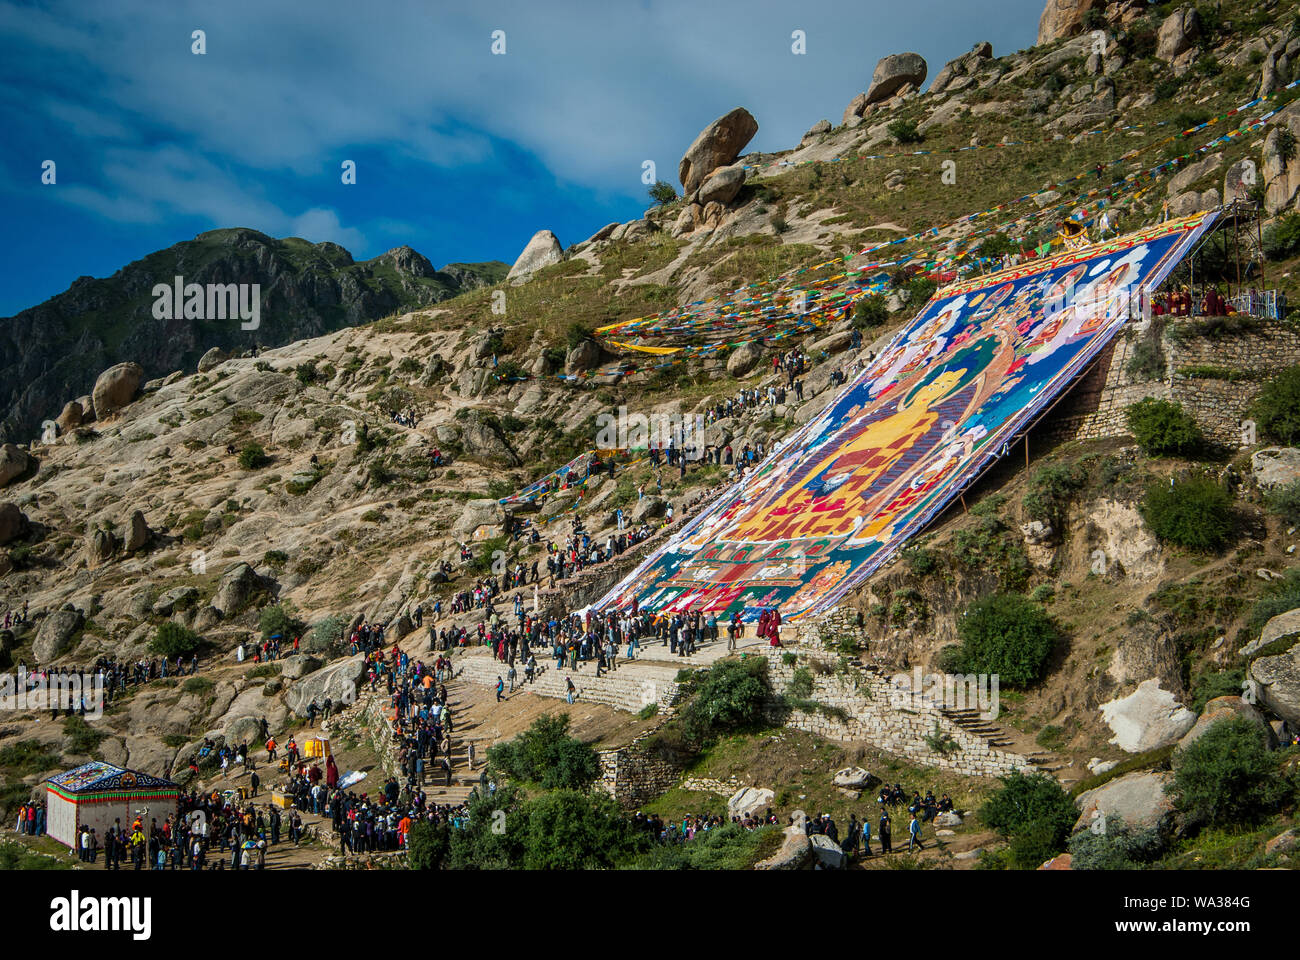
[632, 687]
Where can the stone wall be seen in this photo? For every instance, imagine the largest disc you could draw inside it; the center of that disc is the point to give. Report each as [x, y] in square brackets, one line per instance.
[632, 776]
[1095, 407]
[864, 708]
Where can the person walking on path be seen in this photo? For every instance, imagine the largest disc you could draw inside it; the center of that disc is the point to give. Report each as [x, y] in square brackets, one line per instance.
[914, 835]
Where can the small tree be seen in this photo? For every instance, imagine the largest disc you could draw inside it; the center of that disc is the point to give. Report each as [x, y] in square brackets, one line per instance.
[1226, 776]
[1008, 635]
[662, 192]
[326, 635]
[1195, 512]
[279, 618]
[567, 830]
[904, 131]
[1034, 813]
[427, 845]
[1163, 429]
[547, 755]
[253, 456]
[1119, 847]
[1277, 408]
[174, 640]
[871, 311]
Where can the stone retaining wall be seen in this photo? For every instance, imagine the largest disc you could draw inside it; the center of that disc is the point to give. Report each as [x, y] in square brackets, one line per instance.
[1095, 407]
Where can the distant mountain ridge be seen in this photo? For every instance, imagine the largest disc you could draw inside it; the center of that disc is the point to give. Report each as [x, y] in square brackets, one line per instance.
[52, 352]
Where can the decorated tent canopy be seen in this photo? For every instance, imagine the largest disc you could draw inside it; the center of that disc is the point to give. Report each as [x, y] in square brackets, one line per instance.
[97, 793]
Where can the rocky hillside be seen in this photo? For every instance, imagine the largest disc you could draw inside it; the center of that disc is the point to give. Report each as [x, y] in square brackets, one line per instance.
[56, 349]
[198, 493]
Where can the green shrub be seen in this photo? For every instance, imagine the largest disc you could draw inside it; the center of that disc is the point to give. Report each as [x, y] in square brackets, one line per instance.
[1277, 408]
[1163, 429]
[801, 684]
[545, 754]
[661, 192]
[199, 685]
[25, 758]
[1034, 814]
[281, 619]
[1008, 635]
[730, 696]
[1051, 489]
[326, 635]
[1278, 597]
[80, 736]
[1195, 513]
[904, 131]
[568, 830]
[1118, 847]
[1227, 776]
[1285, 502]
[174, 640]
[253, 456]
[306, 373]
[1282, 239]
[871, 311]
[427, 845]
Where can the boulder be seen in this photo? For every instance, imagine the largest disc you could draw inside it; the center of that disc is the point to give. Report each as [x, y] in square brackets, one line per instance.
[648, 507]
[835, 343]
[817, 129]
[749, 800]
[894, 74]
[482, 441]
[244, 729]
[71, 416]
[718, 145]
[235, 589]
[115, 388]
[298, 665]
[1193, 172]
[1224, 708]
[174, 599]
[795, 851]
[949, 818]
[541, 251]
[213, 358]
[13, 463]
[1139, 799]
[827, 852]
[1062, 861]
[1281, 175]
[722, 186]
[854, 778]
[481, 520]
[1274, 467]
[54, 636]
[1278, 682]
[100, 547]
[1178, 33]
[1283, 625]
[13, 523]
[1240, 178]
[1284, 842]
[1064, 18]
[137, 532]
[586, 355]
[854, 109]
[604, 232]
[744, 358]
[338, 681]
[965, 65]
[1147, 719]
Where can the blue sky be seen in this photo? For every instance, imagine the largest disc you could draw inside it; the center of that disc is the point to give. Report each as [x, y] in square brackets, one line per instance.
[460, 153]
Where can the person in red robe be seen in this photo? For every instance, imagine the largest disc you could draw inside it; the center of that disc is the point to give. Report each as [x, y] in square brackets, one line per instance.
[331, 773]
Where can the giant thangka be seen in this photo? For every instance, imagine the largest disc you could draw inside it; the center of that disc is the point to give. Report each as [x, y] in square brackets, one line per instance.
[938, 406]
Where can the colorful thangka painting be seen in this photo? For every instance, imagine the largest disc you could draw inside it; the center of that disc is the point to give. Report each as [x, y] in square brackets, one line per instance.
[901, 440]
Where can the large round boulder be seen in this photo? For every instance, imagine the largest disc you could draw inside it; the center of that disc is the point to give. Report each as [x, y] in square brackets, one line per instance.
[723, 185]
[718, 145]
[1278, 682]
[71, 416]
[235, 588]
[1225, 708]
[1139, 799]
[1178, 33]
[115, 388]
[895, 74]
[213, 358]
[338, 682]
[13, 463]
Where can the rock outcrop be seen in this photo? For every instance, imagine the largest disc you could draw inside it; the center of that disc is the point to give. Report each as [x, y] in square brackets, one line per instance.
[1064, 18]
[1147, 719]
[54, 636]
[1139, 799]
[1278, 681]
[1178, 33]
[13, 463]
[718, 145]
[896, 75]
[541, 251]
[115, 388]
[338, 682]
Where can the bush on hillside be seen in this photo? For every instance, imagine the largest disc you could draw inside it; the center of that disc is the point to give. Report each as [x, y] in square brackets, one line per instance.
[1195, 512]
[1227, 776]
[1034, 813]
[173, 640]
[281, 619]
[661, 192]
[1277, 408]
[428, 845]
[1119, 847]
[1005, 634]
[1278, 597]
[1163, 429]
[253, 456]
[545, 754]
[326, 635]
[1285, 502]
[568, 830]
[729, 696]
[871, 311]
[904, 131]
[1051, 489]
